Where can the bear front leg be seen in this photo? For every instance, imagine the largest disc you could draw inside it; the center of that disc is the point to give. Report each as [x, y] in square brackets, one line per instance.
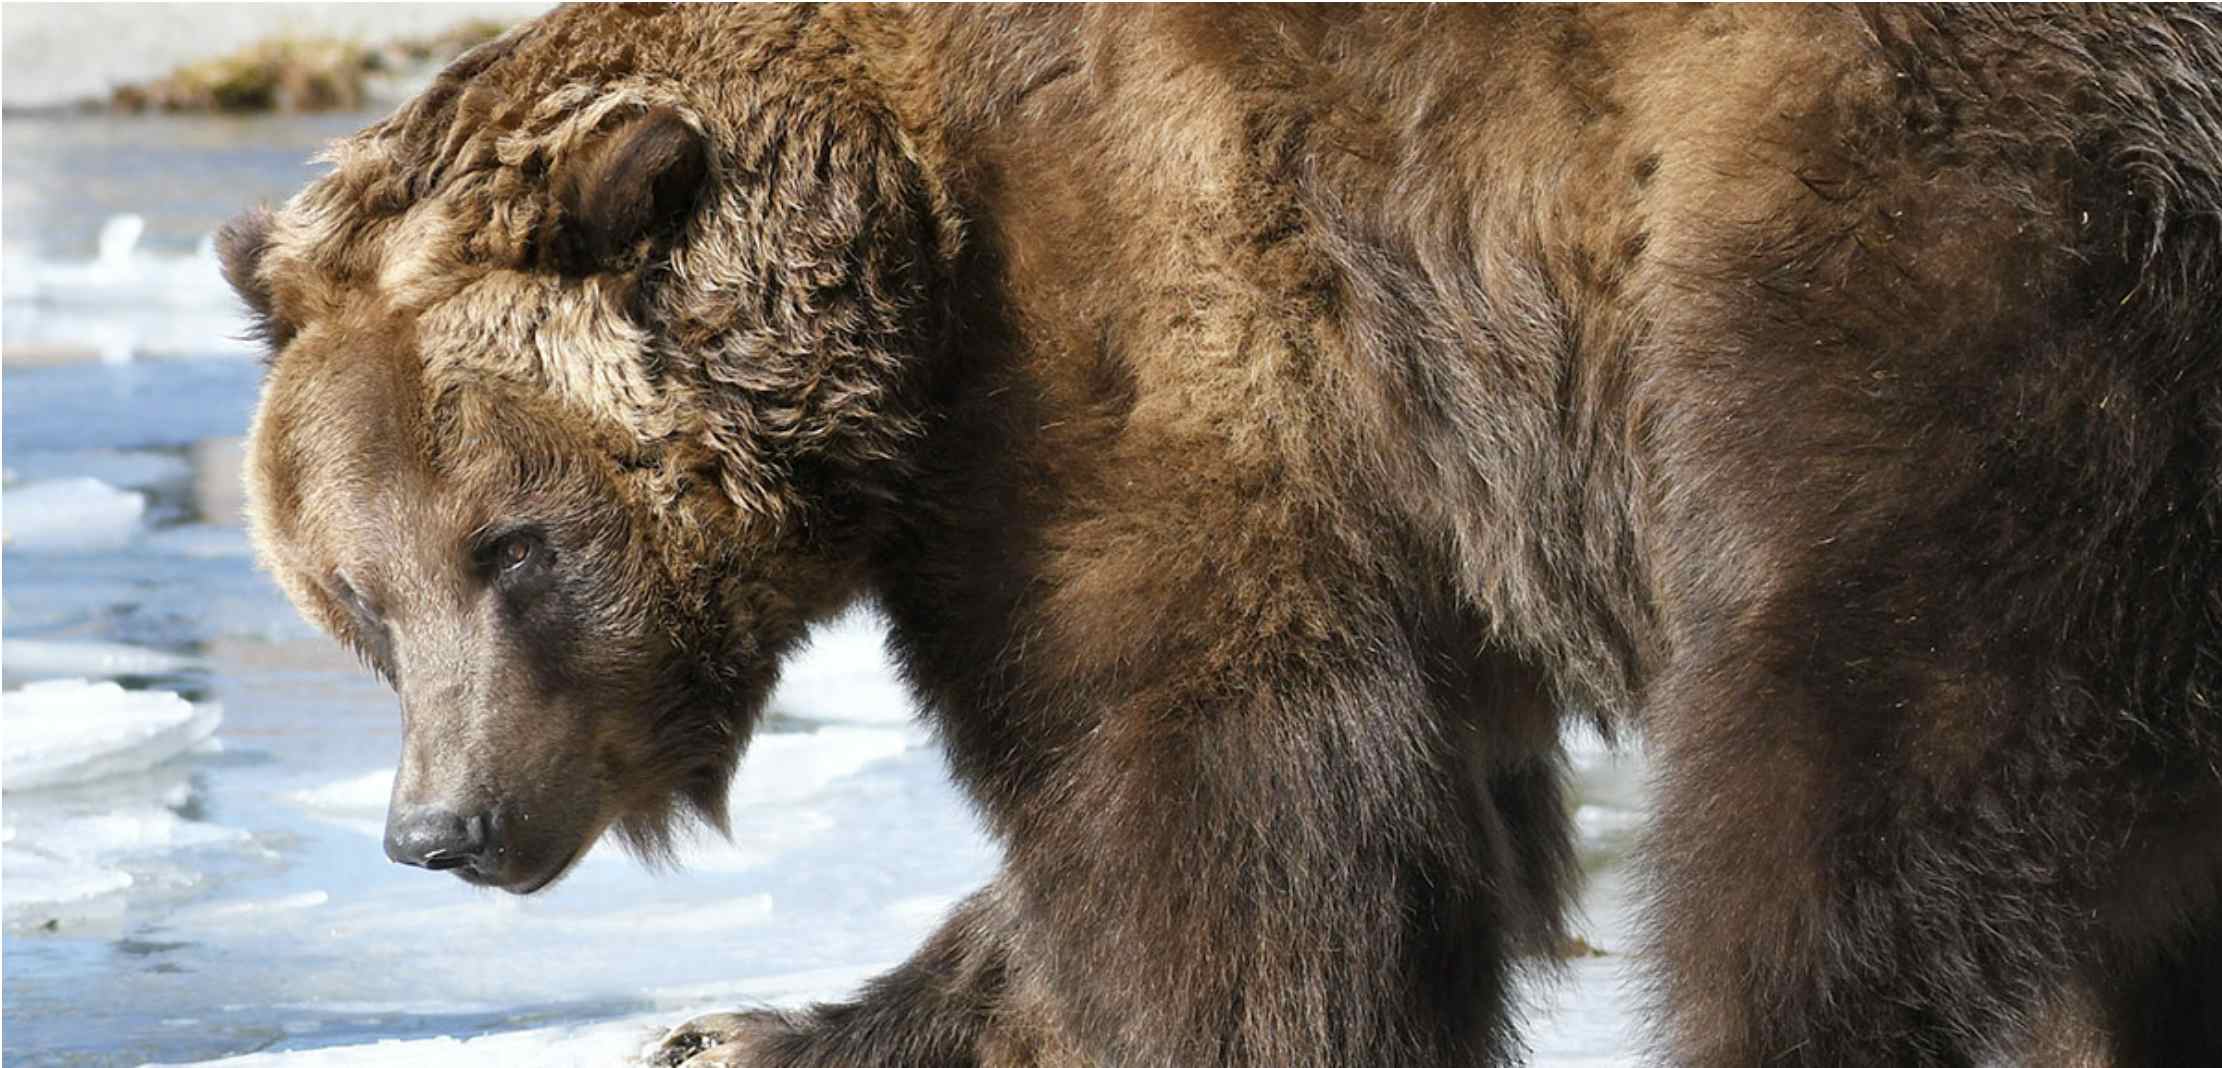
[1326, 856]
[956, 1003]
[1340, 862]
[719, 1040]
[2167, 1007]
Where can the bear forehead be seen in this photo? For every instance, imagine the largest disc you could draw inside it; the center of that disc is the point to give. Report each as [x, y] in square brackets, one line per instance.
[447, 218]
[463, 318]
[355, 465]
[341, 417]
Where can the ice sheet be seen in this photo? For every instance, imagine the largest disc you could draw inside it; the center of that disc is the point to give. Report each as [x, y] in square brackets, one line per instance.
[602, 1045]
[788, 767]
[842, 676]
[70, 730]
[1583, 1022]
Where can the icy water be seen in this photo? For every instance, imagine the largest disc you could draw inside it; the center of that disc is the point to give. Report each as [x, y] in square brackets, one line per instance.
[195, 781]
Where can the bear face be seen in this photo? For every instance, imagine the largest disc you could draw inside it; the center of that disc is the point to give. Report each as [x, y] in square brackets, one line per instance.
[533, 482]
[514, 593]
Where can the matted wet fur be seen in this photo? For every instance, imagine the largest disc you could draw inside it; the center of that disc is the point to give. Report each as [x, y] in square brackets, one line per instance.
[1260, 428]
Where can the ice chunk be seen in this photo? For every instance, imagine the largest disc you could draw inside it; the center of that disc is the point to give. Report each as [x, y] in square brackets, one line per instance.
[22, 660]
[251, 911]
[118, 237]
[33, 878]
[69, 515]
[62, 856]
[363, 793]
[70, 730]
[128, 468]
[358, 804]
[134, 830]
[126, 302]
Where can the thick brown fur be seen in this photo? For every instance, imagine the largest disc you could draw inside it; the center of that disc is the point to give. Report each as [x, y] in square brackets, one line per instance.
[1261, 428]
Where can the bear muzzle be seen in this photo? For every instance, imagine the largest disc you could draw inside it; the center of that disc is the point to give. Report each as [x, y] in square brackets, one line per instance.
[440, 839]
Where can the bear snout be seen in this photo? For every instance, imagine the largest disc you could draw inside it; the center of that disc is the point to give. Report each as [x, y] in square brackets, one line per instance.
[439, 838]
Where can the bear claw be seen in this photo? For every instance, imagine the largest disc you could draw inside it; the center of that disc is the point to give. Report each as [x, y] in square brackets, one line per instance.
[718, 1040]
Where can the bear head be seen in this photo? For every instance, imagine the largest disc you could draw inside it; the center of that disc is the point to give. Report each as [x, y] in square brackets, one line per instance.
[590, 371]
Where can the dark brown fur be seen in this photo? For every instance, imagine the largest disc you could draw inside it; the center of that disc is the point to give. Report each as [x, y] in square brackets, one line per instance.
[1262, 426]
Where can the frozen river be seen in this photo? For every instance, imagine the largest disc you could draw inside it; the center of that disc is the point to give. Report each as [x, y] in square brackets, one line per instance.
[195, 781]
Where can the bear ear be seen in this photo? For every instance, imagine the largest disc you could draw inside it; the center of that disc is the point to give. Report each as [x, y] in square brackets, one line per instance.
[630, 183]
[240, 247]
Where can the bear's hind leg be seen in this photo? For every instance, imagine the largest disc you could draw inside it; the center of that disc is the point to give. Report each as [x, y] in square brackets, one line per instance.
[1323, 858]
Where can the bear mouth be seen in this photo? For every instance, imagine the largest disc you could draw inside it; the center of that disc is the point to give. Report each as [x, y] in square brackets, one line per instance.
[527, 886]
[554, 875]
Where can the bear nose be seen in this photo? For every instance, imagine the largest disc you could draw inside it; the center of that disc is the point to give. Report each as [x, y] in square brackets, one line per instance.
[436, 838]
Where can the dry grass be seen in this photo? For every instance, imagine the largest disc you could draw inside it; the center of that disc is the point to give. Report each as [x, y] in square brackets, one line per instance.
[297, 73]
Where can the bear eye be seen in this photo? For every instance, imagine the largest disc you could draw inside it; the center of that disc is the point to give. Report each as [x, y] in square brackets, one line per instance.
[353, 599]
[515, 552]
[370, 637]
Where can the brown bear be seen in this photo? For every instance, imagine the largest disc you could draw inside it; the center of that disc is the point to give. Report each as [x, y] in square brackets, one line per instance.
[1263, 429]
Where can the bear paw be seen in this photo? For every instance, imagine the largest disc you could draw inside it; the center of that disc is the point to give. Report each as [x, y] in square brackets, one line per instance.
[719, 1040]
